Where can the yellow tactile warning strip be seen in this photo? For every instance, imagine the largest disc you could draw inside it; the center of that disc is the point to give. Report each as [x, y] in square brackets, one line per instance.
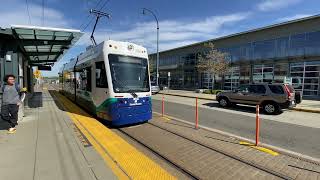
[266, 150]
[117, 153]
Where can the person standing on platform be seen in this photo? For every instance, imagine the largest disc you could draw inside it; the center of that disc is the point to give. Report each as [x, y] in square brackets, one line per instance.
[10, 102]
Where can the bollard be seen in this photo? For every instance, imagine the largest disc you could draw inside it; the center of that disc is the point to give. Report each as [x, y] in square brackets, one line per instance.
[257, 124]
[197, 116]
[162, 105]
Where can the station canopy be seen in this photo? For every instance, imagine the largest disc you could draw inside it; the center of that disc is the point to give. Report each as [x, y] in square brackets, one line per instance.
[44, 45]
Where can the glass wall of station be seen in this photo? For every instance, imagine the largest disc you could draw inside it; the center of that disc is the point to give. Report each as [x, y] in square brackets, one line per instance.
[232, 78]
[297, 45]
[305, 75]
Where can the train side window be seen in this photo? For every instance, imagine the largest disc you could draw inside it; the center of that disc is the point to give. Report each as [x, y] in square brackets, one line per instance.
[85, 79]
[101, 75]
[89, 79]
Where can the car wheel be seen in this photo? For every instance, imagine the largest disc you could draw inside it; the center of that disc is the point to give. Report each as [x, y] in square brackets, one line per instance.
[271, 108]
[223, 102]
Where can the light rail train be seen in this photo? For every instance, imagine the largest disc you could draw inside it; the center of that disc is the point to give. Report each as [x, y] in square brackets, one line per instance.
[112, 81]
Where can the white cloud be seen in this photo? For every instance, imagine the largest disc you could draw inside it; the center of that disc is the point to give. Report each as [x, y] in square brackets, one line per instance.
[269, 5]
[15, 12]
[297, 16]
[173, 33]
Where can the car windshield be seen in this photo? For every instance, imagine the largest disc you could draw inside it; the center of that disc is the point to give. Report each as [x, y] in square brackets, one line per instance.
[129, 74]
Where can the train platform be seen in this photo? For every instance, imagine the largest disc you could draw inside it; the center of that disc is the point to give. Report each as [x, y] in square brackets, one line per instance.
[58, 140]
[47, 146]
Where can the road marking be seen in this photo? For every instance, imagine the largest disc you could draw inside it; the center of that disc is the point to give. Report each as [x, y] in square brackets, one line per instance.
[166, 118]
[132, 162]
[262, 149]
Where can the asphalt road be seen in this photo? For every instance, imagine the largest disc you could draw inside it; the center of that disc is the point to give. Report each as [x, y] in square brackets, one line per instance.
[240, 121]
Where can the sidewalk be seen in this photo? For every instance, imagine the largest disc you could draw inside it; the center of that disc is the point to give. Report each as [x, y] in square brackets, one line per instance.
[306, 105]
[46, 147]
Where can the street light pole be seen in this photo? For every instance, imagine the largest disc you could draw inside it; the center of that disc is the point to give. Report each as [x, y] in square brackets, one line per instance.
[157, 62]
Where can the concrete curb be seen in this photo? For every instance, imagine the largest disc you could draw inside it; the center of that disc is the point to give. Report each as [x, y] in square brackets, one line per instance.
[213, 99]
[274, 148]
[306, 110]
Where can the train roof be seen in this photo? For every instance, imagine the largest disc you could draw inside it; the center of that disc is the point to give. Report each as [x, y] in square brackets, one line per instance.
[93, 51]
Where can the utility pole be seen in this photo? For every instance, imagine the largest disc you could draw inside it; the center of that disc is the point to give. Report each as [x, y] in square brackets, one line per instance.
[157, 64]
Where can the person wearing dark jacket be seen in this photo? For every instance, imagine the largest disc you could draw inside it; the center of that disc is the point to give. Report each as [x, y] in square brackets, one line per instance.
[10, 102]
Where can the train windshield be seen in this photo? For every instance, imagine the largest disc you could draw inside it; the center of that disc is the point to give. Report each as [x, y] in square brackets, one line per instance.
[129, 74]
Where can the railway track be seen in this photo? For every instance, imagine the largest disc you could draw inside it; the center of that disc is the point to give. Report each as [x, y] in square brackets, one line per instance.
[167, 160]
[186, 168]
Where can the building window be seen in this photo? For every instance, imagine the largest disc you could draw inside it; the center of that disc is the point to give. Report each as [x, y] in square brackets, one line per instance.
[101, 76]
[313, 43]
[305, 77]
[262, 73]
[245, 73]
[264, 49]
[232, 78]
[233, 53]
[297, 45]
[246, 52]
[282, 47]
[280, 72]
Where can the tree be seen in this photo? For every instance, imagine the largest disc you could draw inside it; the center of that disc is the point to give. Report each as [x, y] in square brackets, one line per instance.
[214, 62]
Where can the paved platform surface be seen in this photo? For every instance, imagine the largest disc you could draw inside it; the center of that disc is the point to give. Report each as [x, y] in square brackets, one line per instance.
[46, 147]
[306, 105]
[219, 156]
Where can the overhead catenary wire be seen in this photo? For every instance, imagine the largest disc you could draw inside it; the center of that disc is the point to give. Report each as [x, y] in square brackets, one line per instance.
[89, 14]
[87, 25]
[105, 3]
[27, 4]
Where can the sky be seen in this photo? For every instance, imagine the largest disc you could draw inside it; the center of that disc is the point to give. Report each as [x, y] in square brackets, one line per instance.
[181, 22]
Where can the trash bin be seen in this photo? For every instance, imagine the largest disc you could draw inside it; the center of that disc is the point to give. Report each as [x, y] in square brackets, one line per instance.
[298, 97]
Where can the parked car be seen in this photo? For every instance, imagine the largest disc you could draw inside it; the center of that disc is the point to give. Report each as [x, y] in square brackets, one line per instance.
[271, 97]
[154, 88]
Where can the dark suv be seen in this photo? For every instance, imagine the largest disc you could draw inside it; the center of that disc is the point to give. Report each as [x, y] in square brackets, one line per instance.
[271, 97]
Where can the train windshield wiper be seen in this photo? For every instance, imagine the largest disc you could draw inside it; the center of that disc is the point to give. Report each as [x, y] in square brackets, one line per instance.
[121, 84]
